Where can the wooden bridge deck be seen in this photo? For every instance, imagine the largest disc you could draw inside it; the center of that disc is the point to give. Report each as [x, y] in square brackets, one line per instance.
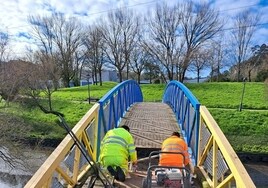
[150, 123]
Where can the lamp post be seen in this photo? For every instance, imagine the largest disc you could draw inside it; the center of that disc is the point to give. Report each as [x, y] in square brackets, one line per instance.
[88, 88]
[241, 103]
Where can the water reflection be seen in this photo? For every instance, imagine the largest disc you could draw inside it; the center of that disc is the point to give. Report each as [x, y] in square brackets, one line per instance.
[13, 181]
[18, 165]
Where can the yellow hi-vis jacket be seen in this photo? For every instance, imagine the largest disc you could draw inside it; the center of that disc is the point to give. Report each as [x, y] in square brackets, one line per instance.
[117, 148]
[174, 144]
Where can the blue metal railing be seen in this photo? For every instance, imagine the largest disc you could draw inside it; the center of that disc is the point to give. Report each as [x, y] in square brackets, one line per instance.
[186, 108]
[114, 105]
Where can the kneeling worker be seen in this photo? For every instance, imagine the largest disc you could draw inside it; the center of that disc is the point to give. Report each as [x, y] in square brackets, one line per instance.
[174, 144]
[117, 148]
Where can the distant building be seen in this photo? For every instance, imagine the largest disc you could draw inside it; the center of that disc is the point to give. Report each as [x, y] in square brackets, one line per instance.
[194, 80]
[107, 75]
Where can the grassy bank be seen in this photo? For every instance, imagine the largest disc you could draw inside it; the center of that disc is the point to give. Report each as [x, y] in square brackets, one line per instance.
[245, 130]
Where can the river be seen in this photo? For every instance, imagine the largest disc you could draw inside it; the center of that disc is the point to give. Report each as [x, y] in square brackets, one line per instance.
[18, 165]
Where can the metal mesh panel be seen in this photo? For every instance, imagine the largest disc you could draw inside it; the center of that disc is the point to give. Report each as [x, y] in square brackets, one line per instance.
[193, 129]
[123, 98]
[121, 103]
[83, 161]
[205, 135]
[222, 166]
[90, 131]
[183, 112]
[106, 110]
[56, 183]
[116, 109]
[179, 107]
[69, 159]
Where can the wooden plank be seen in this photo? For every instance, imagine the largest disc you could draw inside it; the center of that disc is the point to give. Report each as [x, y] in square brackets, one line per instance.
[150, 123]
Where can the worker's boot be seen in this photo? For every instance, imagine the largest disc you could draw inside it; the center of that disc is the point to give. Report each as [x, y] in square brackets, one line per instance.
[120, 174]
[112, 172]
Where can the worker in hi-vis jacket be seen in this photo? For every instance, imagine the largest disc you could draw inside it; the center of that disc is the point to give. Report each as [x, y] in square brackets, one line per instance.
[174, 144]
[117, 149]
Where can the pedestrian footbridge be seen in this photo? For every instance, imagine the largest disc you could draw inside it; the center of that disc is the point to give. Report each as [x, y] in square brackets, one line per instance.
[212, 157]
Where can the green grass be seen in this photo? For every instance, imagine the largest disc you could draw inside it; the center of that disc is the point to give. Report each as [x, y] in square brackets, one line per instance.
[245, 123]
[152, 92]
[228, 95]
[81, 93]
[245, 130]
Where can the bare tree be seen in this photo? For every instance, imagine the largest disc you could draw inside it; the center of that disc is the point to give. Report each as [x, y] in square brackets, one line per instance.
[245, 26]
[151, 69]
[199, 24]
[59, 37]
[94, 44]
[120, 34]
[162, 42]
[138, 60]
[200, 61]
[15, 72]
[216, 55]
[79, 64]
[43, 76]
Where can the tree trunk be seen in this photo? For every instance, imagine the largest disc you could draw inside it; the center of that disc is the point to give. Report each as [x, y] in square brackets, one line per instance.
[120, 75]
[238, 72]
[249, 75]
[96, 77]
[198, 75]
[100, 75]
[49, 101]
[139, 77]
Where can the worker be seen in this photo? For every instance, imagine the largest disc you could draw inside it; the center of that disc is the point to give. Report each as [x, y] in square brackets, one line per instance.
[117, 149]
[174, 144]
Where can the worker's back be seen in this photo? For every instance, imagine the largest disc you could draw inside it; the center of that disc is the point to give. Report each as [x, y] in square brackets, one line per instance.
[174, 144]
[115, 143]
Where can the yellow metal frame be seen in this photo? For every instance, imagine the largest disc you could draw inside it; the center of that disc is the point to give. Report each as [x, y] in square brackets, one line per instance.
[218, 141]
[44, 175]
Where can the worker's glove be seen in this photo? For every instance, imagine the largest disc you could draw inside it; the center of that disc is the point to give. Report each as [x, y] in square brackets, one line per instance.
[135, 163]
[134, 167]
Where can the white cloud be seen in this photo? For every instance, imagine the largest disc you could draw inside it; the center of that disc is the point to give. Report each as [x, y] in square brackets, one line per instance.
[260, 36]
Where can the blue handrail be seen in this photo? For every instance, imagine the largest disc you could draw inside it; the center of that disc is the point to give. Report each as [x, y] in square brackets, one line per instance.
[186, 108]
[114, 105]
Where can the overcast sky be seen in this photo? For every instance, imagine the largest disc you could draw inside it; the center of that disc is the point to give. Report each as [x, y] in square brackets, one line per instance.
[14, 13]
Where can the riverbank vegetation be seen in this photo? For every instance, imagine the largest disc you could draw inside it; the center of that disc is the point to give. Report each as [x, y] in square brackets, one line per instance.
[246, 130]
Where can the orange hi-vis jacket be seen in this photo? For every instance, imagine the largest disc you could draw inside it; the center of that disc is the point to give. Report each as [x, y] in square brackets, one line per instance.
[174, 144]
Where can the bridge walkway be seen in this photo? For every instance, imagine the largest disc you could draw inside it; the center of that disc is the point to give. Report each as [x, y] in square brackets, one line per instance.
[150, 123]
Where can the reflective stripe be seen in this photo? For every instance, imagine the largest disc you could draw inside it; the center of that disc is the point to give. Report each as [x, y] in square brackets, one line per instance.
[131, 145]
[173, 145]
[132, 151]
[114, 142]
[117, 138]
[172, 149]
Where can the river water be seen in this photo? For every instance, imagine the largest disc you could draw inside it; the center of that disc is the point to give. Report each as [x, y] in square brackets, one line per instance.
[18, 165]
